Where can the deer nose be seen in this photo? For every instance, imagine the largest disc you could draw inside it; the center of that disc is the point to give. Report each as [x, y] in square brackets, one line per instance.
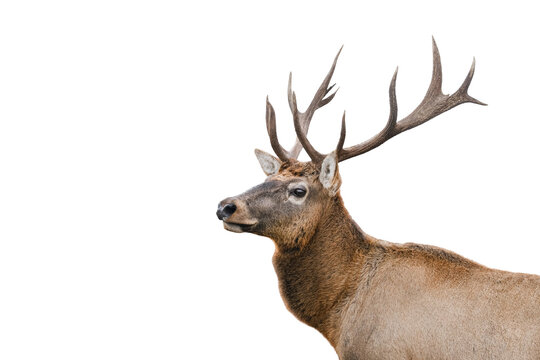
[224, 211]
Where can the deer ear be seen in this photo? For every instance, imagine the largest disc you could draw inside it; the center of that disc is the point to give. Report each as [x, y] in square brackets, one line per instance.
[329, 176]
[269, 163]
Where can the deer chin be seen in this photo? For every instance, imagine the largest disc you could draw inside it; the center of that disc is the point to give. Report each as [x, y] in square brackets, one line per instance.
[238, 227]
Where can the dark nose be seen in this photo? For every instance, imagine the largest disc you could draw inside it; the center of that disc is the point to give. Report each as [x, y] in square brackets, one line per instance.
[226, 210]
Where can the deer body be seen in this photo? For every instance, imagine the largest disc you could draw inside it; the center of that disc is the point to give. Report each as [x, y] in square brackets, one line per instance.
[377, 300]
[370, 298]
[418, 308]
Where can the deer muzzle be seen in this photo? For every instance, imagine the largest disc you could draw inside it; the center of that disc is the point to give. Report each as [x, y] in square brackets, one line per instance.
[234, 215]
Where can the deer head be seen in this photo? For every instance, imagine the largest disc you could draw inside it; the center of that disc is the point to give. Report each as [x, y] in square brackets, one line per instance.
[291, 204]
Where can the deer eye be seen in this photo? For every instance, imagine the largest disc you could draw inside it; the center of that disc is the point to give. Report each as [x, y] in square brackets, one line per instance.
[299, 192]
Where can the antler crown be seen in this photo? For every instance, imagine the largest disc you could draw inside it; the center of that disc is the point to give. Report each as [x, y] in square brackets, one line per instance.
[433, 104]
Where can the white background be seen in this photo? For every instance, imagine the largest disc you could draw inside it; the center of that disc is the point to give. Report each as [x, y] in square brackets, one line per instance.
[124, 123]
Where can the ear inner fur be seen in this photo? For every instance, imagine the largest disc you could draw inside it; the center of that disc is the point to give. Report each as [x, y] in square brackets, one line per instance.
[329, 176]
[269, 163]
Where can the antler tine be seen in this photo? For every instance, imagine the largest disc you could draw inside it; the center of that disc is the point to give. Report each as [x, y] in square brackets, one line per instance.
[303, 120]
[301, 136]
[318, 100]
[272, 133]
[465, 86]
[297, 147]
[433, 104]
[382, 136]
[341, 141]
[435, 86]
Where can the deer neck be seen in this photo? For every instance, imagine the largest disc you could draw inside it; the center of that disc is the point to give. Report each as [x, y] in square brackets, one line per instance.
[316, 280]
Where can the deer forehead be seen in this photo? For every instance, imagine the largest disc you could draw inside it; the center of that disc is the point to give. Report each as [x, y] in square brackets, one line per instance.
[299, 169]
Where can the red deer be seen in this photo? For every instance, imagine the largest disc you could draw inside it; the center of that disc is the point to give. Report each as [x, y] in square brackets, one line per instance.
[370, 298]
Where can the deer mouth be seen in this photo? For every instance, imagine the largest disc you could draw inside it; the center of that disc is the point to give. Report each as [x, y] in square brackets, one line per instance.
[238, 227]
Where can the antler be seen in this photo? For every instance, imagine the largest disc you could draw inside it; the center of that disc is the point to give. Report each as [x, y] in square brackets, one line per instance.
[302, 119]
[433, 104]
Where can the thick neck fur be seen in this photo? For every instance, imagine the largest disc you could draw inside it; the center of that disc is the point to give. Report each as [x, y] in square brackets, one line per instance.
[316, 280]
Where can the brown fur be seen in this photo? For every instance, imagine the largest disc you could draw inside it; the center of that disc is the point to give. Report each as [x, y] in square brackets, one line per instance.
[378, 300]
